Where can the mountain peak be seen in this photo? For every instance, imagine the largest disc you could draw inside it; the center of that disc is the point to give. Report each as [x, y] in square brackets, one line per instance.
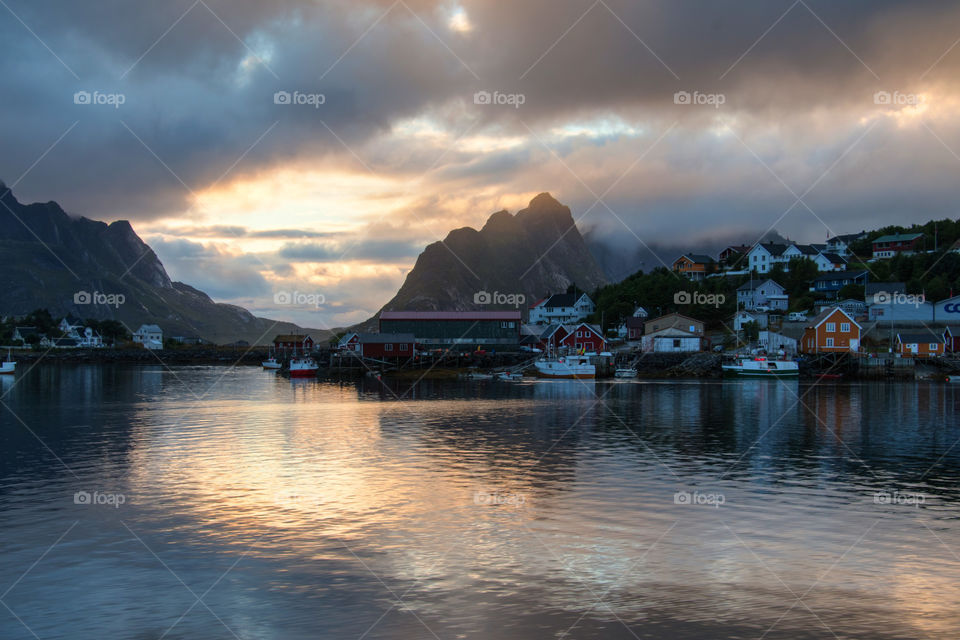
[545, 201]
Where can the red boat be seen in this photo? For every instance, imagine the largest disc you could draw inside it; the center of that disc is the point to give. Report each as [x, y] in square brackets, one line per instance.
[303, 368]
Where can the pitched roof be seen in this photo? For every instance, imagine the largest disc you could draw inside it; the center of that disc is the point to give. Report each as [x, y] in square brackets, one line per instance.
[450, 315]
[806, 249]
[826, 313]
[292, 337]
[671, 332]
[698, 258]
[385, 338]
[561, 300]
[149, 328]
[847, 238]
[899, 237]
[953, 329]
[912, 337]
[750, 286]
[772, 248]
[834, 258]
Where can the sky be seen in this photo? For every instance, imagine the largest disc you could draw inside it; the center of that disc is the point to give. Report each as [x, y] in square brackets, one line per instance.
[316, 147]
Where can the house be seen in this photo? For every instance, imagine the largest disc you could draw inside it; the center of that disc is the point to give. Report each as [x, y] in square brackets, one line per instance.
[832, 330]
[890, 245]
[772, 341]
[831, 283]
[634, 326]
[294, 342]
[694, 266]
[840, 245]
[563, 308]
[24, 334]
[830, 262]
[871, 289]
[640, 312]
[671, 320]
[88, 338]
[897, 307]
[751, 295]
[349, 342]
[70, 326]
[764, 255]
[734, 254]
[744, 317]
[149, 335]
[584, 337]
[920, 344]
[672, 340]
[190, 340]
[951, 339]
[386, 345]
[445, 329]
[552, 336]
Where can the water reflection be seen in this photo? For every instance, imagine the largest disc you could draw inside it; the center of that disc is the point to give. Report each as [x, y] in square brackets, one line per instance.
[492, 510]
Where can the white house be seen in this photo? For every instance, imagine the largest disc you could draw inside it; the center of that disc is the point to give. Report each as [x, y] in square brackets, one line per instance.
[671, 340]
[764, 255]
[750, 295]
[89, 338]
[840, 245]
[149, 335]
[745, 317]
[71, 326]
[562, 308]
[772, 341]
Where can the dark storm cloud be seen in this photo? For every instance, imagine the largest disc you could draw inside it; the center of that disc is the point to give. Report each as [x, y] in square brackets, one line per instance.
[198, 98]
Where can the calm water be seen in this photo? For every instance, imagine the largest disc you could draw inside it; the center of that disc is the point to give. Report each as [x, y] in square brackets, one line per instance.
[235, 504]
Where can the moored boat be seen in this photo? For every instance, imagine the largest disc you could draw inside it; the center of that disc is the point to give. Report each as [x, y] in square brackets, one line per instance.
[271, 363]
[8, 366]
[304, 367]
[762, 367]
[625, 372]
[576, 366]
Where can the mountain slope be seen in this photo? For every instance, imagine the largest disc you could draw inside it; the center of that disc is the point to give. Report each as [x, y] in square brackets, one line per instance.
[49, 256]
[535, 252]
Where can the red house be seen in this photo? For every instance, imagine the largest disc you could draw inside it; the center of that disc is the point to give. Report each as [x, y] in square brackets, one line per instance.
[586, 337]
[291, 342]
[386, 345]
[951, 338]
[552, 337]
[890, 245]
[349, 342]
[634, 328]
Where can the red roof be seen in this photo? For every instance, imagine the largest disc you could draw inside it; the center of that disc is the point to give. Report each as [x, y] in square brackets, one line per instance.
[450, 315]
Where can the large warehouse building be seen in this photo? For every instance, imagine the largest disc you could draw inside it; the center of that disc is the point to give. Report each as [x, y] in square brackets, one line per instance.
[459, 329]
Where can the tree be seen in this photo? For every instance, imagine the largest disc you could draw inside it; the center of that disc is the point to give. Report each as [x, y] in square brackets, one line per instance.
[751, 331]
[852, 290]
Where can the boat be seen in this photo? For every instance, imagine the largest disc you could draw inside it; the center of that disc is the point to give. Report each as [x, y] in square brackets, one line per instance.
[953, 378]
[271, 363]
[8, 365]
[762, 367]
[576, 366]
[305, 367]
[511, 376]
[625, 372]
[476, 375]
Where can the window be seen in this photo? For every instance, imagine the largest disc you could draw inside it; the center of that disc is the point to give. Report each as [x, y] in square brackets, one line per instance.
[829, 342]
[579, 334]
[388, 347]
[404, 347]
[831, 327]
[676, 344]
[693, 328]
[845, 327]
[932, 346]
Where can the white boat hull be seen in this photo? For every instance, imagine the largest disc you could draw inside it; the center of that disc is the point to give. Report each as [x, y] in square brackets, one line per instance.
[569, 368]
[763, 368]
[8, 367]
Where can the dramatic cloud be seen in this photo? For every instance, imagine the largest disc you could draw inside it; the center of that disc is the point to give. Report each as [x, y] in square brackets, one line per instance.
[292, 130]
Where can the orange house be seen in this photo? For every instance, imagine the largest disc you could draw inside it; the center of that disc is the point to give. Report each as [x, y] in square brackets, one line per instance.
[694, 266]
[922, 344]
[832, 331]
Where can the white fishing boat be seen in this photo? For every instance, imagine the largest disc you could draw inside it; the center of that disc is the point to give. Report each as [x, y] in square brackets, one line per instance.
[576, 366]
[271, 363]
[953, 378]
[761, 367]
[625, 372]
[510, 376]
[8, 365]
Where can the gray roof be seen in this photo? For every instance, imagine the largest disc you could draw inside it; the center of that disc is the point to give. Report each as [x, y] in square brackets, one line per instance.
[774, 248]
[750, 286]
[919, 336]
[834, 258]
[149, 328]
[899, 237]
[699, 258]
[385, 338]
[886, 287]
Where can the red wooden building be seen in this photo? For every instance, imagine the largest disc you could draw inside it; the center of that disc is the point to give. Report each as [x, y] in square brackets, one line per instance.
[586, 337]
[291, 342]
[951, 337]
[386, 345]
